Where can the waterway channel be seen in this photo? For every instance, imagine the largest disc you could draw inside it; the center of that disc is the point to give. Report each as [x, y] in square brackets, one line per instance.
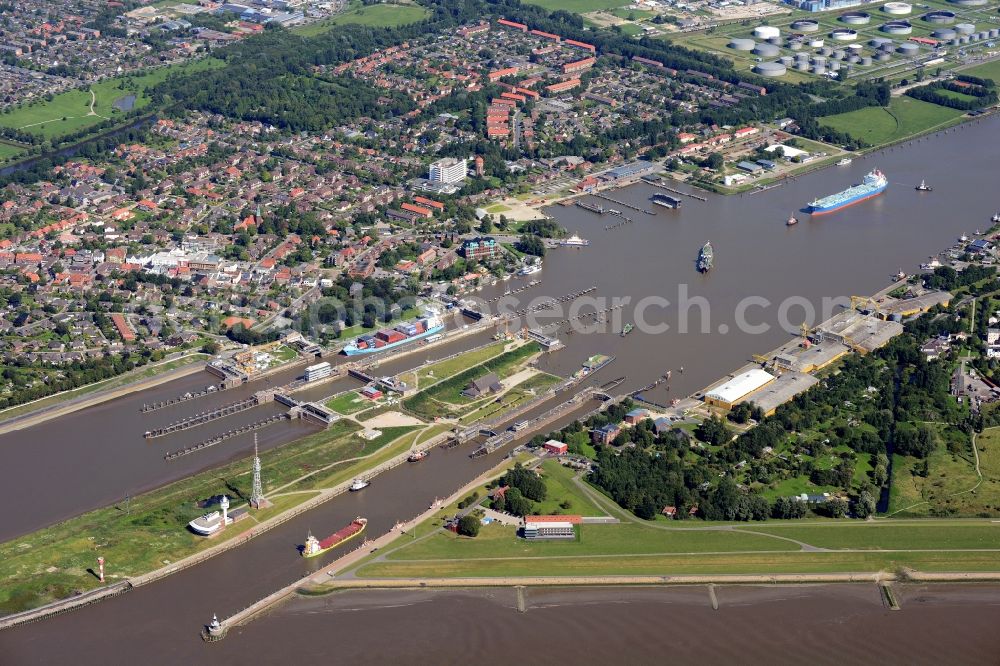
[89, 457]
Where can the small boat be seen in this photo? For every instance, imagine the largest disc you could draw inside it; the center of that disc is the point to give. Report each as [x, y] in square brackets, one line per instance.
[791, 221]
[923, 187]
[845, 161]
[705, 258]
[995, 218]
[931, 265]
[963, 239]
[575, 241]
[359, 484]
[900, 275]
[628, 329]
[417, 456]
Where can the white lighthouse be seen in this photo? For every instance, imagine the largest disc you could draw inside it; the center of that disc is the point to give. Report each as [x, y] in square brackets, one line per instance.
[224, 505]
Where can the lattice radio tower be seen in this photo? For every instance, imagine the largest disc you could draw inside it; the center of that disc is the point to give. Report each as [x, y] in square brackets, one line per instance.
[257, 493]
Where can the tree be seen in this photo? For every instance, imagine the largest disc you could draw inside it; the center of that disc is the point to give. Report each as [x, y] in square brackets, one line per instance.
[864, 505]
[468, 525]
[713, 431]
[517, 504]
[833, 508]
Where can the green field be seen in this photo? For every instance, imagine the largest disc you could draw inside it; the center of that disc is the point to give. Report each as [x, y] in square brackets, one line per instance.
[375, 16]
[578, 6]
[9, 150]
[150, 531]
[349, 403]
[905, 117]
[679, 564]
[563, 495]
[988, 70]
[70, 111]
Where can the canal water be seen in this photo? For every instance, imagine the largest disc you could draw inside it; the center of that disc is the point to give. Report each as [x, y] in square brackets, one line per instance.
[95, 456]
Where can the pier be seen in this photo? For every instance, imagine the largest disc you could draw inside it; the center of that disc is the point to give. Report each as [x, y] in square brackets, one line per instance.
[696, 197]
[205, 417]
[622, 203]
[591, 207]
[242, 430]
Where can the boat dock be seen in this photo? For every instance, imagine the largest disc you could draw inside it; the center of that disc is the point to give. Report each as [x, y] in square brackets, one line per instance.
[696, 197]
[625, 220]
[593, 208]
[554, 301]
[206, 417]
[622, 203]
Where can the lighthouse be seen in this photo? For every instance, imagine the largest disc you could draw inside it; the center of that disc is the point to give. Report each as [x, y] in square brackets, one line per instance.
[224, 505]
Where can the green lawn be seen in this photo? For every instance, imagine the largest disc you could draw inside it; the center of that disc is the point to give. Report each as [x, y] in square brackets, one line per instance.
[879, 535]
[9, 150]
[376, 16]
[497, 541]
[349, 403]
[70, 111]
[989, 70]
[452, 366]
[562, 495]
[707, 563]
[578, 6]
[904, 117]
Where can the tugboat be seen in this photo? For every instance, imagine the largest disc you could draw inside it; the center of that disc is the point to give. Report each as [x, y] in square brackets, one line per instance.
[705, 258]
[923, 187]
[417, 456]
[791, 221]
[359, 484]
[628, 329]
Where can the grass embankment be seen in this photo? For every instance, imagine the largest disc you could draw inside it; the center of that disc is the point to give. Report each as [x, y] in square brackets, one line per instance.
[445, 398]
[515, 397]
[686, 547]
[70, 111]
[139, 374]
[151, 532]
[905, 117]
[374, 16]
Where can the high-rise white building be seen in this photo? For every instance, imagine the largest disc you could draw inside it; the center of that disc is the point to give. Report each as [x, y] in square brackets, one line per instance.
[449, 170]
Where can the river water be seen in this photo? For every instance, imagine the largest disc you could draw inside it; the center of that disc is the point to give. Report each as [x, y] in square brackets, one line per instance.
[95, 456]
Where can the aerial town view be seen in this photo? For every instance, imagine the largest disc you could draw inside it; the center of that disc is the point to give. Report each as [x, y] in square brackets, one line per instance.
[602, 331]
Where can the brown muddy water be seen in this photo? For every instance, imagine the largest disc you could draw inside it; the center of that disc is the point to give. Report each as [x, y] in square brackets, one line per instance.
[95, 456]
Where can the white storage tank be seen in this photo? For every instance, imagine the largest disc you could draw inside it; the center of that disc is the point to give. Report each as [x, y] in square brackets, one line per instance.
[766, 32]
[897, 8]
[740, 44]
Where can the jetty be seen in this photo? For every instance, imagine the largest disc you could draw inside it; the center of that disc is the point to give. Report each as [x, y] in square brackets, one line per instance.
[151, 407]
[622, 203]
[593, 208]
[696, 197]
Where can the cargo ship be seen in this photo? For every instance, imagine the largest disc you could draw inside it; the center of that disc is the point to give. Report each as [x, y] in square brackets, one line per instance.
[705, 258]
[390, 338]
[314, 546]
[873, 184]
[665, 200]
